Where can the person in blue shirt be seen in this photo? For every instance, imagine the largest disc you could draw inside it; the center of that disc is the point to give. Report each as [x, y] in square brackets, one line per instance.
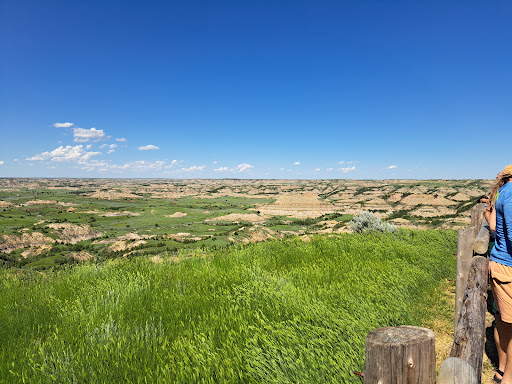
[500, 267]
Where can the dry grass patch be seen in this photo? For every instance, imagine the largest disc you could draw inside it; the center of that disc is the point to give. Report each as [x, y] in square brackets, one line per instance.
[74, 233]
[177, 214]
[123, 245]
[80, 256]
[26, 240]
[238, 217]
[124, 213]
[416, 199]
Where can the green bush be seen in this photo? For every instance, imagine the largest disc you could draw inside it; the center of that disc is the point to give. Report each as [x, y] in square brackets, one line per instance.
[367, 221]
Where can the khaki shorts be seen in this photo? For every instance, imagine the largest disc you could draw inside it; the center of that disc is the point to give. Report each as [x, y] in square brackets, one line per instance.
[501, 285]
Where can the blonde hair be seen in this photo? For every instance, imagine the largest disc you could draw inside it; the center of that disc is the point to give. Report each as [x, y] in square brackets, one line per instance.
[500, 182]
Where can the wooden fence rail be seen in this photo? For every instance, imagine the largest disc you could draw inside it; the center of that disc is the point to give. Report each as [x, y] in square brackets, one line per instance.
[405, 355]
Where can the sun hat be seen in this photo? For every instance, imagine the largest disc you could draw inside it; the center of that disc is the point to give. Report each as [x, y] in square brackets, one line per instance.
[507, 171]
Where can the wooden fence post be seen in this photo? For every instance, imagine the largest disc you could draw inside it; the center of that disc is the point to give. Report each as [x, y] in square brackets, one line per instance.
[464, 258]
[477, 216]
[469, 338]
[400, 355]
[456, 371]
[481, 244]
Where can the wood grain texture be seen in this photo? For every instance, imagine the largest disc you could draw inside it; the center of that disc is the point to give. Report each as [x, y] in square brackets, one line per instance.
[400, 355]
[477, 216]
[469, 338]
[456, 371]
[481, 244]
[464, 259]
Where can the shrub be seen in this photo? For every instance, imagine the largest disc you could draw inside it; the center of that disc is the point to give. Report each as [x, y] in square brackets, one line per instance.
[367, 221]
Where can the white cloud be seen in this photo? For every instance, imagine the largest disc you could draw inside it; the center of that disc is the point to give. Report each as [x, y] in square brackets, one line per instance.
[121, 139]
[62, 125]
[316, 170]
[37, 157]
[330, 169]
[243, 167]
[93, 165]
[221, 169]
[296, 163]
[174, 163]
[140, 165]
[143, 165]
[347, 170]
[341, 162]
[111, 146]
[214, 163]
[83, 135]
[65, 154]
[149, 147]
[2, 162]
[282, 169]
[88, 146]
[392, 167]
[110, 151]
[193, 169]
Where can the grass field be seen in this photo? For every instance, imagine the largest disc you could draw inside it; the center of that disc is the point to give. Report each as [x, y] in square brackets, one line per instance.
[285, 311]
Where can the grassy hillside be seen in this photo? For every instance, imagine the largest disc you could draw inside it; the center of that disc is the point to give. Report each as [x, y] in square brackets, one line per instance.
[275, 312]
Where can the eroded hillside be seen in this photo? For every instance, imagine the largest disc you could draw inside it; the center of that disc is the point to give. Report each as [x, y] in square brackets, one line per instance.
[43, 221]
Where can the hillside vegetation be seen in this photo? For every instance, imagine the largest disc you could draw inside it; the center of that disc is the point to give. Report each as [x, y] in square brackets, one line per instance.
[49, 222]
[286, 311]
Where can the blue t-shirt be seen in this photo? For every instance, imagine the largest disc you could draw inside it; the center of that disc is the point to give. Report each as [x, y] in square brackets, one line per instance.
[502, 251]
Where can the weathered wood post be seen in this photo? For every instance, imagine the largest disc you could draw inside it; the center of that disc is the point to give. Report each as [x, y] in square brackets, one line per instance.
[481, 244]
[469, 338]
[477, 216]
[456, 371]
[464, 258]
[400, 355]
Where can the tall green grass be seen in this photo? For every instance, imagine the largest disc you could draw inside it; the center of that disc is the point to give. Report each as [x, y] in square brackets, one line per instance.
[276, 312]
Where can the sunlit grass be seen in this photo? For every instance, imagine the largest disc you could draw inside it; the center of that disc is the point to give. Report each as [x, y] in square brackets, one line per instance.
[276, 312]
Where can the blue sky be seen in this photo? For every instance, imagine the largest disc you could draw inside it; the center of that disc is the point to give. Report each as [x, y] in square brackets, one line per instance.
[255, 89]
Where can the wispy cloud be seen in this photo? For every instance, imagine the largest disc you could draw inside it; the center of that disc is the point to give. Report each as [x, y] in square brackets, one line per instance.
[174, 163]
[83, 135]
[2, 162]
[194, 168]
[392, 167]
[243, 167]
[145, 165]
[341, 162]
[65, 154]
[238, 169]
[121, 139]
[296, 163]
[347, 169]
[316, 170]
[62, 125]
[111, 146]
[149, 147]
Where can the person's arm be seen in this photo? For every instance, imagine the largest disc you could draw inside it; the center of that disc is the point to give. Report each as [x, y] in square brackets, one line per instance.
[487, 214]
[492, 219]
[507, 222]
